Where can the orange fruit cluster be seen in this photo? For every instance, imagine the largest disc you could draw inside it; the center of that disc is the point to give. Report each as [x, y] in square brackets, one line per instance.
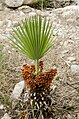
[40, 81]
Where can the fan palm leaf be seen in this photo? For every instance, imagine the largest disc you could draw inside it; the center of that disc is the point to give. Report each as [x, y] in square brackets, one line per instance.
[33, 37]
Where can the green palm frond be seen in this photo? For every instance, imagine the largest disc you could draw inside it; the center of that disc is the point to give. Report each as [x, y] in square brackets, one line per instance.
[33, 37]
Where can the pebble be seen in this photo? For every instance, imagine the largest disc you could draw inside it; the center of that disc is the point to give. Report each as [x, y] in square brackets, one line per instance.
[75, 68]
[18, 90]
[1, 107]
[6, 116]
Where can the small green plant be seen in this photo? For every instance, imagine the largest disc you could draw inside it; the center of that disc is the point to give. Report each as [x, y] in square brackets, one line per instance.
[34, 37]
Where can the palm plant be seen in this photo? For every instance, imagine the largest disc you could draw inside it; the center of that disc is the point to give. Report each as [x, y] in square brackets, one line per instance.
[34, 38]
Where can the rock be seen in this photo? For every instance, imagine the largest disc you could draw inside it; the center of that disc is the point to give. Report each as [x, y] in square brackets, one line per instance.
[29, 1]
[14, 3]
[75, 68]
[18, 90]
[6, 116]
[1, 107]
[77, 115]
[69, 116]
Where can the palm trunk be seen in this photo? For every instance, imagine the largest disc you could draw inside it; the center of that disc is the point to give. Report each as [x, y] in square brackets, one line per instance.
[37, 66]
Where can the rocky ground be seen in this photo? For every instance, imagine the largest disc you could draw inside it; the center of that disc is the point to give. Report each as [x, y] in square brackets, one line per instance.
[64, 55]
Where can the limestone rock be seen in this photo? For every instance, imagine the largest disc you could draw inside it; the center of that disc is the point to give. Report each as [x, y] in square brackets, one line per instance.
[14, 3]
[75, 68]
[6, 116]
[18, 90]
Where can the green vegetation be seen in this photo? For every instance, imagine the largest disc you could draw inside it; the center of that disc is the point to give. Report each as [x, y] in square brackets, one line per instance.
[40, 4]
[33, 38]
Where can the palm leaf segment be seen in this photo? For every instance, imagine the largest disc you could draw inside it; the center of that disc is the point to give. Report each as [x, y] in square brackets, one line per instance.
[33, 37]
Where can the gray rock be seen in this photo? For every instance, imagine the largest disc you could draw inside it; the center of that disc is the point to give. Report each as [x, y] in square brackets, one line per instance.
[6, 116]
[18, 90]
[14, 3]
[75, 68]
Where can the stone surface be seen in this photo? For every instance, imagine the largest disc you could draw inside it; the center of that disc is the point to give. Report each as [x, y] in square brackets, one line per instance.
[75, 68]
[1, 106]
[6, 116]
[18, 90]
[14, 3]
